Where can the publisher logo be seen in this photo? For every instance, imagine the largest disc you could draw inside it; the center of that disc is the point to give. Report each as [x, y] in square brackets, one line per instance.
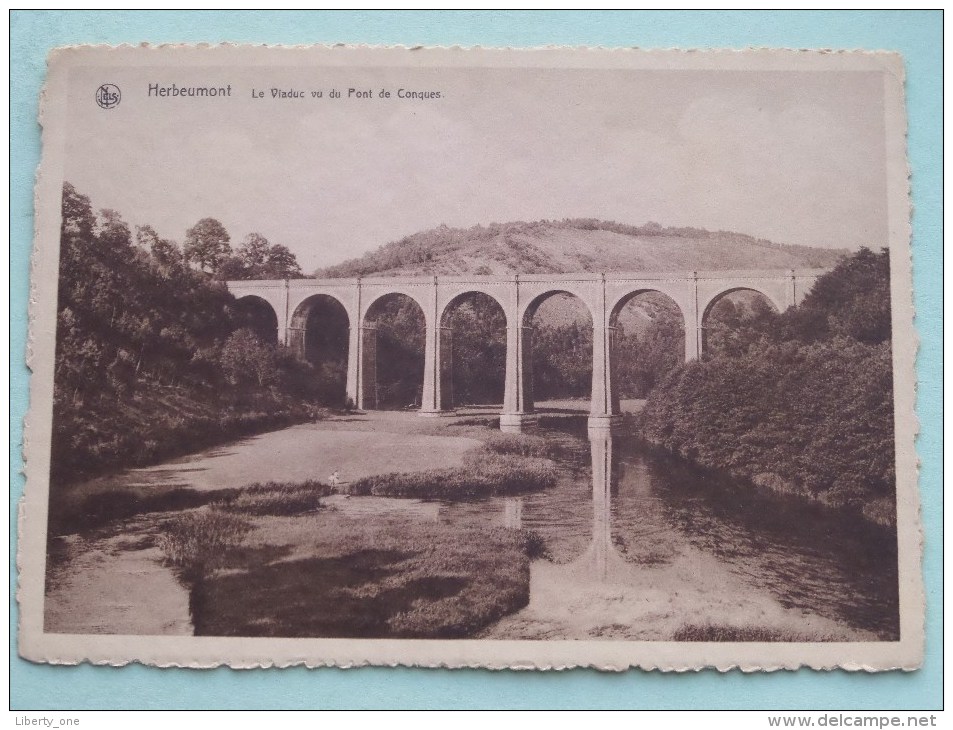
[108, 96]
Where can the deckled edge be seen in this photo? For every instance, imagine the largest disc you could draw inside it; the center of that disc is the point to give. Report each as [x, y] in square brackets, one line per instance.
[723, 667]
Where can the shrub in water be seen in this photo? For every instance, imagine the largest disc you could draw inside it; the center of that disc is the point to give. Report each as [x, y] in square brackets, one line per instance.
[520, 444]
[511, 474]
[484, 475]
[534, 545]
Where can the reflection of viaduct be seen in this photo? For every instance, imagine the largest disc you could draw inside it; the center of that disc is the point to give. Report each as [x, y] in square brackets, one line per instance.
[695, 293]
[601, 562]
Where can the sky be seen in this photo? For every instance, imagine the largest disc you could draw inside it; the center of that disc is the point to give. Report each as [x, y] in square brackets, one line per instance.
[791, 156]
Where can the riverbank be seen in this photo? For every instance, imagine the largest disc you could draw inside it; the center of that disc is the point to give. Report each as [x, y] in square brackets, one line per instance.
[160, 422]
[805, 416]
[402, 443]
[89, 567]
[879, 511]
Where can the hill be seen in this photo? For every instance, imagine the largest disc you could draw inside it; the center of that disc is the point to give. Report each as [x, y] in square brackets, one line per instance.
[574, 246]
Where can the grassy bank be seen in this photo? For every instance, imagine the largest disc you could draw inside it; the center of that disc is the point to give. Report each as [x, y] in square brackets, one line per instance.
[329, 575]
[74, 513]
[503, 464]
[269, 560]
[272, 560]
[161, 422]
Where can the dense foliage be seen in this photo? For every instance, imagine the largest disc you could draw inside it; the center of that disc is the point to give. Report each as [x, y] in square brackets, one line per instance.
[800, 401]
[562, 360]
[151, 354]
[478, 350]
[646, 350]
[400, 351]
[256, 258]
[645, 353]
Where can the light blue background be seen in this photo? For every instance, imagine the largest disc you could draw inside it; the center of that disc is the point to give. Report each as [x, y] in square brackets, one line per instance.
[916, 34]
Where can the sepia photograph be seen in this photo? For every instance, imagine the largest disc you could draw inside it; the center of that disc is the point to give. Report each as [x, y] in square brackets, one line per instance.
[472, 358]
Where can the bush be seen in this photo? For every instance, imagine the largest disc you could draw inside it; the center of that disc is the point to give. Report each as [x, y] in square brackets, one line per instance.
[163, 422]
[534, 545]
[274, 498]
[484, 475]
[802, 403]
[519, 444]
[247, 360]
[814, 420]
[197, 542]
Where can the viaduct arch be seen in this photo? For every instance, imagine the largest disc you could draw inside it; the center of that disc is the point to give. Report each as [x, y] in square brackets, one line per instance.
[694, 292]
[297, 328]
[260, 316]
[449, 362]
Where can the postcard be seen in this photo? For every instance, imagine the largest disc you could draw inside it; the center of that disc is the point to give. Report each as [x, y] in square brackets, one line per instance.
[504, 358]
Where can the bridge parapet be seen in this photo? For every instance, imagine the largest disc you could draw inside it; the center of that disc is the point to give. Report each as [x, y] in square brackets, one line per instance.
[749, 274]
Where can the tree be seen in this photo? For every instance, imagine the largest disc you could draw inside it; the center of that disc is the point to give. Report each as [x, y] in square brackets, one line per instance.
[646, 352]
[112, 230]
[400, 350]
[146, 237]
[254, 250]
[281, 263]
[736, 322]
[478, 364]
[852, 300]
[77, 214]
[207, 244]
[246, 359]
[139, 349]
[232, 268]
[256, 258]
[562, 360]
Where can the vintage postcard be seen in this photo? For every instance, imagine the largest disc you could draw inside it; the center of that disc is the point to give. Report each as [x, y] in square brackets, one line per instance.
[472, 358]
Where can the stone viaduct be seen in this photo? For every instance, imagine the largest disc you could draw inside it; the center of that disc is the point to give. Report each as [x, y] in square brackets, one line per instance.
[694, 292]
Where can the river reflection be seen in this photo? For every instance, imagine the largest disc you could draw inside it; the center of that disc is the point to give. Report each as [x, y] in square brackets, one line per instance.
[635, 544]
[650, 540]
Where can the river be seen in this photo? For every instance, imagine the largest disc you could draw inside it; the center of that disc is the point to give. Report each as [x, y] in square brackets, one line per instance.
[626, 522]
[638, 545]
